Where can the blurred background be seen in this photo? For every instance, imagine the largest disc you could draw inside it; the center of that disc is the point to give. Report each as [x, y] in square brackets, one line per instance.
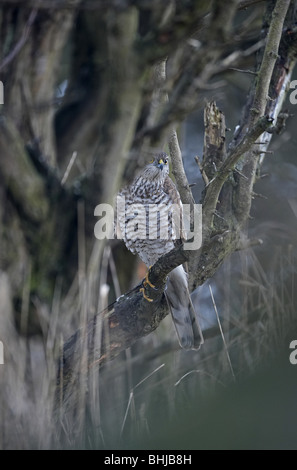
[79, 92]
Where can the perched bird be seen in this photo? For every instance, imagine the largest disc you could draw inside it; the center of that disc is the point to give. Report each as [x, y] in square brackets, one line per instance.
[150, 222]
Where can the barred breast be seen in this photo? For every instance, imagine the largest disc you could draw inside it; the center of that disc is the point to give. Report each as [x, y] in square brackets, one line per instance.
[146, 226]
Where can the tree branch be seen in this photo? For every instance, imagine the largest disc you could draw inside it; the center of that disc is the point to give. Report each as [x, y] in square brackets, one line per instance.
[178, 170]
[21, 41]
[28, 193]
[203, 66]
[215, 185]
[129, 318]
[269, 59]
[248, 3]
[267, 96]
[214, 149]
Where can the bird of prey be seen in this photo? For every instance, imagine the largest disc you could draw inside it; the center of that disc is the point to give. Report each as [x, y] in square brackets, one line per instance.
[150, 225]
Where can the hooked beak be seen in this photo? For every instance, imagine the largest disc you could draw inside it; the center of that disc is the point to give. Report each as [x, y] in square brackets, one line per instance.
[160, 164]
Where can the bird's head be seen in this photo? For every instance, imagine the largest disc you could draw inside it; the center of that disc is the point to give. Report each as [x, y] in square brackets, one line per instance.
[158, 167]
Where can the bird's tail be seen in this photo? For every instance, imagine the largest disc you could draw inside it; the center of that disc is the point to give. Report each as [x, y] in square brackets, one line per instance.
[182, 310]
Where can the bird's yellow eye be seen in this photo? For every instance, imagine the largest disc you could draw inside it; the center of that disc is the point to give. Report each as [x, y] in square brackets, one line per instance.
[166, 161]
[151, 161]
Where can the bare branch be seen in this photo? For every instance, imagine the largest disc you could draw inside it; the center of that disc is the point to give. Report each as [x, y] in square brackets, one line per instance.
[251, 72]
[28, 193]
[173, 144]
[22, 40]
[269, 60]
[203, 174]
[273, 78]
[215, 186]
[194, 79]
[214, 149]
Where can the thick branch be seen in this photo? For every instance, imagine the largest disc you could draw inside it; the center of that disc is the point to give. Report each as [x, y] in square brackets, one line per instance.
[269, 59]
[214, 150]
[27, 193]
[30, 77]
[122, 323]
[272, 80]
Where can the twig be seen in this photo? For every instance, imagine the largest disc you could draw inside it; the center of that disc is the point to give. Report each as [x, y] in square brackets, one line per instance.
[234, 57]
[266, 152]
[222, 334]
[131, 396]
[250, 242]
[240, 174]
[127, 411]
[280, 123]
[198, 371]
[202, 171]
[114, 275]
[252, 72]
[248, 3]
[261, 126]
[22, 40]
[260, 196]
[173, 144]
[69, 166]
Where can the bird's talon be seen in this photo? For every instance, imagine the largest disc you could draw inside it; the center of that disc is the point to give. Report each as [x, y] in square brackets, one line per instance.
[145, 296]
[147, 281]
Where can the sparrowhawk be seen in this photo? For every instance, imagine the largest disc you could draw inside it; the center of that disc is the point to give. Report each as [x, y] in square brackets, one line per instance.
[149, 226]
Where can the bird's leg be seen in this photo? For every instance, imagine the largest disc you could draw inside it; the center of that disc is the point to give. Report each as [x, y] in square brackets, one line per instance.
[147, 281]
[144, 284]
[145, 296]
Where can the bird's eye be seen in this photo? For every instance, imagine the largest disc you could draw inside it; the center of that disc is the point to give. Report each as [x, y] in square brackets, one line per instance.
[151, 161]
[166, 161]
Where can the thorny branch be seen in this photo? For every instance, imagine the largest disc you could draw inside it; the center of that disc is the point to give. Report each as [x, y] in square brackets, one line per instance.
[269, 59]
[215, 185]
